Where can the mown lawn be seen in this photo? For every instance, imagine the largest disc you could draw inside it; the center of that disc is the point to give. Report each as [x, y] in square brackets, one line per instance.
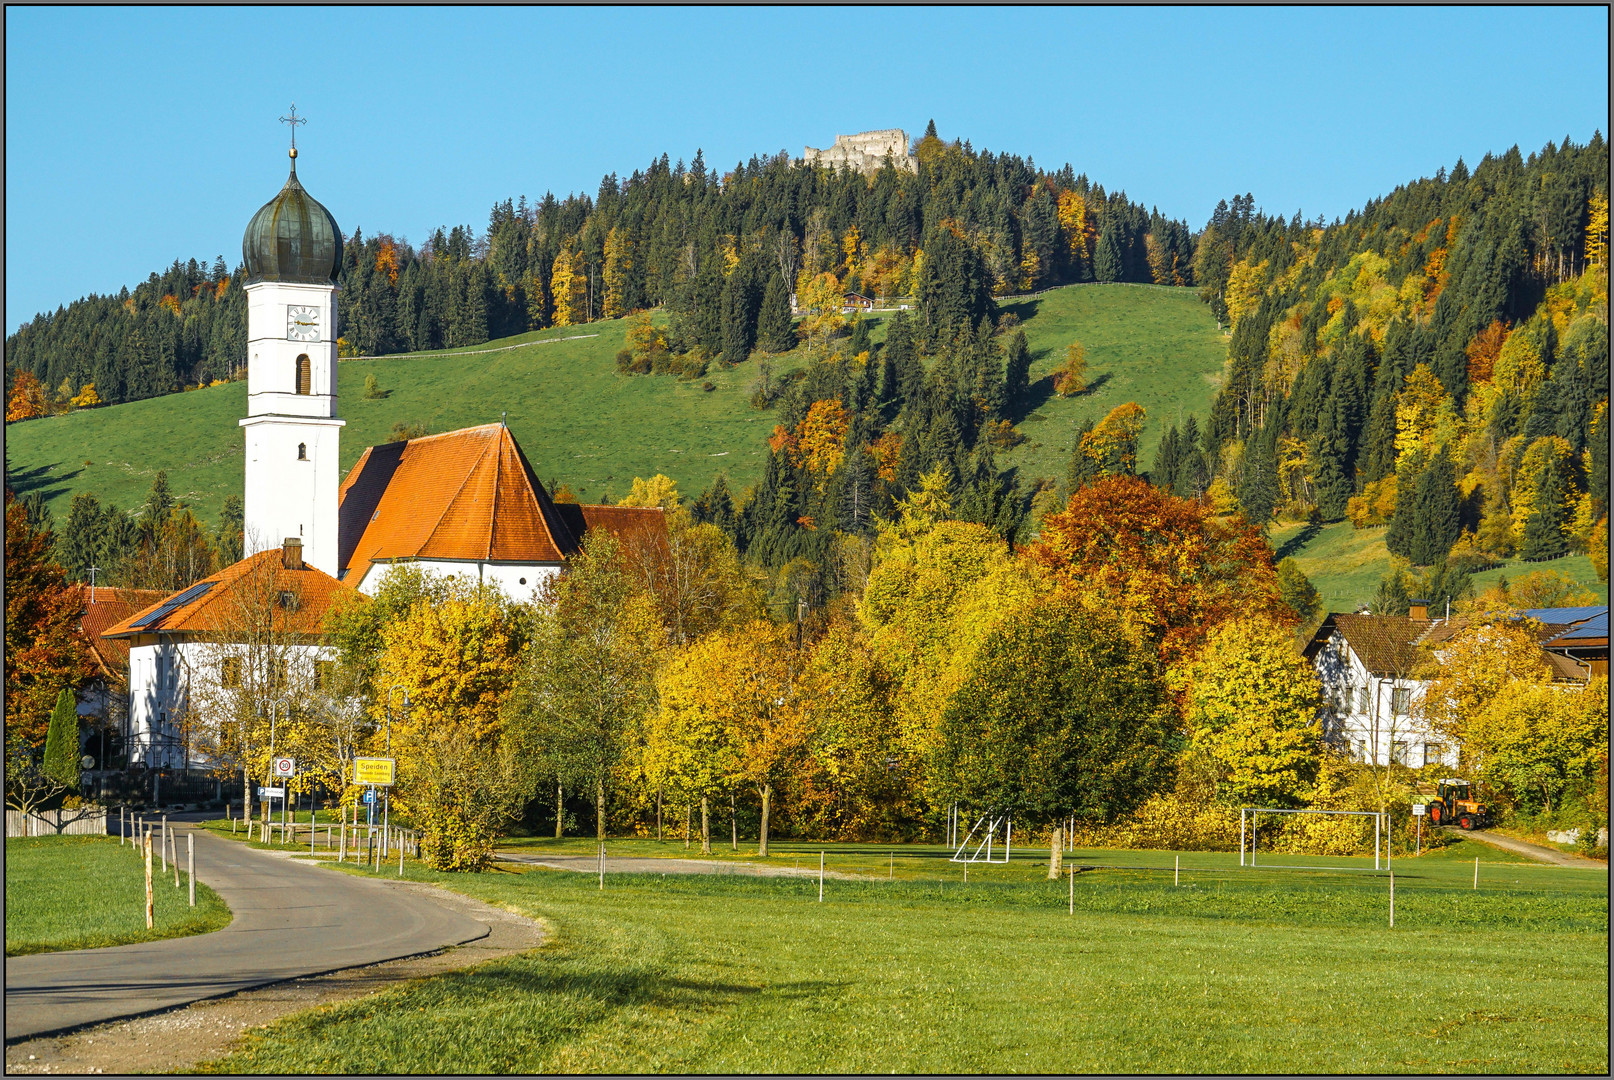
[87, 892]
[582, 423]
[1232, 971]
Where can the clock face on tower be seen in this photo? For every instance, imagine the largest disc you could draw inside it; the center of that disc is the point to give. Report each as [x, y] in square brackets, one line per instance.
[302, 323]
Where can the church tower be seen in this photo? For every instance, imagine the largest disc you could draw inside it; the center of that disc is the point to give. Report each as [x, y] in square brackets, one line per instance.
[293, 254]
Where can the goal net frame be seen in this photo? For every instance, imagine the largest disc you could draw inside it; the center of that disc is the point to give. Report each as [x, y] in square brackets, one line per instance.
[991, 820]
[1247, 815]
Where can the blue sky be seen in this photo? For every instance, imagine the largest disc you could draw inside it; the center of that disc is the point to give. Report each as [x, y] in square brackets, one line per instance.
[135, 136]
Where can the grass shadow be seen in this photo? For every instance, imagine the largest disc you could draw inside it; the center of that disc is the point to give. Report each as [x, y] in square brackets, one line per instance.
[1296, 543]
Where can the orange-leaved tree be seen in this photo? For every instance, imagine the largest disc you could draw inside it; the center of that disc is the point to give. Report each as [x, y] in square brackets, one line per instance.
[27, 398]
[1171, 567]
[44, 653]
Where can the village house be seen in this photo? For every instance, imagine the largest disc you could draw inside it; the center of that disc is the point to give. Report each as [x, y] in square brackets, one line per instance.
[1368, 668]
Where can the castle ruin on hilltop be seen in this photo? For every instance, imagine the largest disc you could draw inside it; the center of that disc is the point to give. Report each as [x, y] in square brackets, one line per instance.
[866, 151]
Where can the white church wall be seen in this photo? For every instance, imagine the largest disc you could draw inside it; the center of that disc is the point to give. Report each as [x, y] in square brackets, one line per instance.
[519, 581]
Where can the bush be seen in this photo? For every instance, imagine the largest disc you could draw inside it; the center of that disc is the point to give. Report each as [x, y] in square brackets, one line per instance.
[372, 388]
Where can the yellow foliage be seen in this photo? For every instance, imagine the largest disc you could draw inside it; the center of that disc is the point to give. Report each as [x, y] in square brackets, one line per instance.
[1597, 229]
[659, 491]
[1070, 378]
[1425, 417]
[1244, 288]
[1077, 225]
[819, 440]
[86, 397]
[568, 284]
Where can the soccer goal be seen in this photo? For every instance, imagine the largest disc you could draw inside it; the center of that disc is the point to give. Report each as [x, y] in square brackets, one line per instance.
[1250, 833]
[991, 821]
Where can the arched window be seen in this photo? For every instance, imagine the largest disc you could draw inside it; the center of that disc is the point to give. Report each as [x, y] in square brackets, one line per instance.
[305, 375]
[302, 451]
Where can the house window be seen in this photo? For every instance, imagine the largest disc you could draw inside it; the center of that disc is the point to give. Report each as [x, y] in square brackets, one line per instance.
[1432, 752]
[1400, 701]
[230, 673]
[305, 375]
[1398, 753]
[1365, 698]
[1361, 749]
[302, 451]
[324, 673]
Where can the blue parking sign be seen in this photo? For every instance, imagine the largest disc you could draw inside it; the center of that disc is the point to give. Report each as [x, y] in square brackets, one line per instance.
[369, 795]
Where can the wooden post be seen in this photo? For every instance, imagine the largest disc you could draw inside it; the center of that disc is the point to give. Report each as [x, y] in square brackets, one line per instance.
[1476, 871]
[1392, 899]
[1176, 871]
[162, 845]
[151, 902]
[190, 863]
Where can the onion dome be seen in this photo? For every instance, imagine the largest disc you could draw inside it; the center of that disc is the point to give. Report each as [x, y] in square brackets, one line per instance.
[293, 238]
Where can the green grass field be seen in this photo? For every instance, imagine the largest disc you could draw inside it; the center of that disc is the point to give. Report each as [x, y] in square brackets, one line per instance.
[1232, 971]
[1346, 563]
[582, 423]
[87, 892]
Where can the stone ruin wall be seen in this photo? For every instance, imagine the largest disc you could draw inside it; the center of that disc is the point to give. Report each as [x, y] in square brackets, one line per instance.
[866, 151]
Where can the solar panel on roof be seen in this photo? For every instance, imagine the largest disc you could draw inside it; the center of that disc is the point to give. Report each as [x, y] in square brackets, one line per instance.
[177, 601]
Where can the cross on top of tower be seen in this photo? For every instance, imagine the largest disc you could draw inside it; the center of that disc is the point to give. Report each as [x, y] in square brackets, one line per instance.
[294, 120]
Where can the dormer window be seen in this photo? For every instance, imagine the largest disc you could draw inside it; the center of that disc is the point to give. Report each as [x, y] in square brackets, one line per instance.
[305, 375]
[288, 600]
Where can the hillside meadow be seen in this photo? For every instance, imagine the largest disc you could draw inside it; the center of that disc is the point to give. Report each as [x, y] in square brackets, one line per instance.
[582, 423]
[1346, 563]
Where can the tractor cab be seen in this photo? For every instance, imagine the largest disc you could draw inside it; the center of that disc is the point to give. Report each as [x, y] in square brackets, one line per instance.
[1454, 804]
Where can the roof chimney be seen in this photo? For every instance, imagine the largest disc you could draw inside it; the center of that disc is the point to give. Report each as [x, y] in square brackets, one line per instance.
[1418, 609]
[291, 553]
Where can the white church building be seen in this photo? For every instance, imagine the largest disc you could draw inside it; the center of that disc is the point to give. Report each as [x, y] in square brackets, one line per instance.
[462, 502]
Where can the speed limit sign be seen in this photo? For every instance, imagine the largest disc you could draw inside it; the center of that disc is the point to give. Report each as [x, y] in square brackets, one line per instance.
[285, 766]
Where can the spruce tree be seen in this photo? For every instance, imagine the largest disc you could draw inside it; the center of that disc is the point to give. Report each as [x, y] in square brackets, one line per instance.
[1258, 491]
[61, 742]
[231, 523]
[1544, 527]
[1331, 481]
[1436, 512]
[1108, 264]
[1398, 537]
[1016, 375]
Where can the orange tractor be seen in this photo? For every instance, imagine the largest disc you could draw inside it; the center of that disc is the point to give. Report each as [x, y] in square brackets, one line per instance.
[1454, 804]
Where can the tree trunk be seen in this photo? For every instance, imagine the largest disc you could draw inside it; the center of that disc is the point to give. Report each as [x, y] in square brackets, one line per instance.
[687, 812]
[706, 827]
[767, 804]
[1056, 852]
[560, 809]
[599, 808]
[246, 795]
[734, 820]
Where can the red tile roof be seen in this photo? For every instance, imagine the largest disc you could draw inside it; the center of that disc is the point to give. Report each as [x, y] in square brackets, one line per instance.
[218, 607]
[106, 609]
[467, 495]
[462, 495]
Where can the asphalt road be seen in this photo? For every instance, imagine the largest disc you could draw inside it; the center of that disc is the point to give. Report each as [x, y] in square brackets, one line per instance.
[291, 920]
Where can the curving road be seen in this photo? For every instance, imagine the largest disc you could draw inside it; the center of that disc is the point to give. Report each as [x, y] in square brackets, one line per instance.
[291, 919]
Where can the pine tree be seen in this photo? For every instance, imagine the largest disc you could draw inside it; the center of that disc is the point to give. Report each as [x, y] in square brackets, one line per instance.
[229, 539]
[1436, 512]
[1331, 481]
[61, 742]
[776, 332]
